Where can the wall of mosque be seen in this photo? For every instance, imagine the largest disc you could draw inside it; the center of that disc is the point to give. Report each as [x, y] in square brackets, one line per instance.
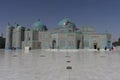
[71, 41]
[98, 40]
[66, 40]
[93, 41]
[44, 38]
[37, 39]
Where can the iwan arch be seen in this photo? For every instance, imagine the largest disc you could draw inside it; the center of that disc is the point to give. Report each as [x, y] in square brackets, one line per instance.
[65, 36]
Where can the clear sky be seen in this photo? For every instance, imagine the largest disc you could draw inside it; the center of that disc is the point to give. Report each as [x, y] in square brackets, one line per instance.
[104, 15]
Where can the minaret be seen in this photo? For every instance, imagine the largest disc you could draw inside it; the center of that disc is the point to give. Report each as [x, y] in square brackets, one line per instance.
[9, 33]
[19, 36]
[1, 35]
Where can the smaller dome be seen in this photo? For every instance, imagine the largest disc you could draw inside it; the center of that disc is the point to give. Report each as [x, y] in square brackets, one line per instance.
[16, 25]
[19, 27]
[39, 26]
[9, 26]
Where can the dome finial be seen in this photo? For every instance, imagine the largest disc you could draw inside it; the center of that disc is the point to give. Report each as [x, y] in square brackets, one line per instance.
[38, 19]
[8, 24]
[16, 24]
[66, 17]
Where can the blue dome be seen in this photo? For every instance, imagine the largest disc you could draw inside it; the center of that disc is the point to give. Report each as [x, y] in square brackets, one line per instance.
[9, 26]
[19, 27]
[39, 26]
[66, 22]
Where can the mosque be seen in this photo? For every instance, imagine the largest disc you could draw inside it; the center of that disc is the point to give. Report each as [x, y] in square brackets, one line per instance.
[65, 36]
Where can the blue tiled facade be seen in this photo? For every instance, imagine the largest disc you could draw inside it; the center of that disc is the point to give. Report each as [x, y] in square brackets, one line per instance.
[65, 36]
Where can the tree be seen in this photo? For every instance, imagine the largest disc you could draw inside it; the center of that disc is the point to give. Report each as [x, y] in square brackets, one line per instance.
[119, 40]
[116, 43]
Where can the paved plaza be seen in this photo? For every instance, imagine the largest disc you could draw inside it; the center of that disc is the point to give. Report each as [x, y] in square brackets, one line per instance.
[59, 65]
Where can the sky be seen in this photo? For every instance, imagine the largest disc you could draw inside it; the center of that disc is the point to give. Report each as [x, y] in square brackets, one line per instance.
[103, 15]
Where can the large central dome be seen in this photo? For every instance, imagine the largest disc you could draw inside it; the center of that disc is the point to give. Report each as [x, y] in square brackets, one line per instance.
[66, 22]
[39, 26]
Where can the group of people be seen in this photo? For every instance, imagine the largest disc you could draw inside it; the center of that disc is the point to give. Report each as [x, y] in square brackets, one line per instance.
[110, 48]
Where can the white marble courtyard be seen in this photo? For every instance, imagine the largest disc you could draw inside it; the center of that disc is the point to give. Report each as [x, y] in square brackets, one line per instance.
[51, 65]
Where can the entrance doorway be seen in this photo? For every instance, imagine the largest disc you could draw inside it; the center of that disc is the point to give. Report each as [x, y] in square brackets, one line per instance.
[78, 44]
[39, 45]
[54, 44]
[95, 45]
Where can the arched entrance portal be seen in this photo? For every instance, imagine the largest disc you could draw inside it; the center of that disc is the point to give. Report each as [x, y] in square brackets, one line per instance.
[54, 44]
[78, 44]
[95, 45]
